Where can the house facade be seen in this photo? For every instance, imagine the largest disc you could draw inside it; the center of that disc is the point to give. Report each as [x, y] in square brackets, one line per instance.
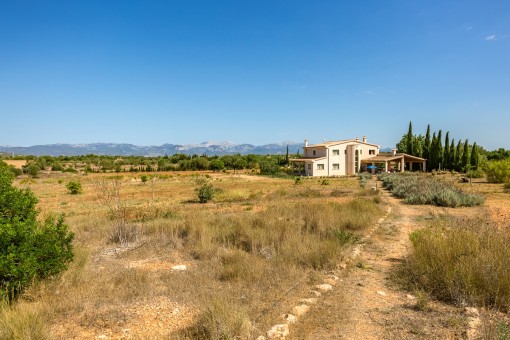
[334, 158]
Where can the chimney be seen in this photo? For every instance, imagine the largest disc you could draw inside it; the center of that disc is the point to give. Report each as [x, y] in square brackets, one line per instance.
[394, 151]
[364, 139]
[306, 143]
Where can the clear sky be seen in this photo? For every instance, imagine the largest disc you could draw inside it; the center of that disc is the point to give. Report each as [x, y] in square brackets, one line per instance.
[185, 71]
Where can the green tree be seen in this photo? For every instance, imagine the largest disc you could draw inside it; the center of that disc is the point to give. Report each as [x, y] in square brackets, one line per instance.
[439, 150]
[451, 159]
[465, 156]
[410, 140]
[475, 157]
[29, 249]
[446, 154]
[426, 144]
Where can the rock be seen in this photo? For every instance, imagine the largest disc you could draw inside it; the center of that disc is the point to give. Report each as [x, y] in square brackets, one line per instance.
[300, 310]
[333, 277]
[261, 337]
[324, 287]
[410, 297]
[309, 301]
[330, 281]
[179, 267]
[472, 311]
[314, 293]
[289, 318]
[278, 331]
[343, 265]
[102, 336]
[380, 292]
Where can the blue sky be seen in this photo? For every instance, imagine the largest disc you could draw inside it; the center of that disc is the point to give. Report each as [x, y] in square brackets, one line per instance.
[154, 72]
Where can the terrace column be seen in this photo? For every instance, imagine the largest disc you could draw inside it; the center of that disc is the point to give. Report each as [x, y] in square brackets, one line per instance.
[385, 166]
[424, 166]
[402, 165]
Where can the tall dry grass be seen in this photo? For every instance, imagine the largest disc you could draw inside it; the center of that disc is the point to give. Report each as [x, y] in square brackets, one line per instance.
[251, 250]
[461, 261]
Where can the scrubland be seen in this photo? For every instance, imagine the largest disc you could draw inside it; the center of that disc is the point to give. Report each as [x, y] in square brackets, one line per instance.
[259, 243]
[250, 252]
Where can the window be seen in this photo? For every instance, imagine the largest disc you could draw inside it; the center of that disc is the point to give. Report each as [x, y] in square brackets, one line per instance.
[371, 152]
[309, 166]
[320, 166]
[336, 166]
[336, 152]
[360, 152]
[314, 152]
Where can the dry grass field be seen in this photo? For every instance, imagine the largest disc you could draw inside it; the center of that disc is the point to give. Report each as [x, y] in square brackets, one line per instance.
[250, 255]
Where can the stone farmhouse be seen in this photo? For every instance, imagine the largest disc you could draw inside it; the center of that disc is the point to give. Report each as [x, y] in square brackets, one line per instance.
[350, 157]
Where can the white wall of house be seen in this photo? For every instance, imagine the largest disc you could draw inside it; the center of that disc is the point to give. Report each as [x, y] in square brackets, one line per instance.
[340, 158]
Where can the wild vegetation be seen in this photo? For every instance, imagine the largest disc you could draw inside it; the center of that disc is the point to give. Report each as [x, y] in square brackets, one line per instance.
[29, 249]
[424, 189]
[461, 261]
[257, 242]
[462, 157]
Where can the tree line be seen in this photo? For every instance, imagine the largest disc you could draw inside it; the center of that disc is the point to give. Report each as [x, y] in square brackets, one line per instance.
[265, 164]
[441, 154]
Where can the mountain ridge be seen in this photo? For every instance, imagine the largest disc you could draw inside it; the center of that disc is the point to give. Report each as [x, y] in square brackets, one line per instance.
[126, 149]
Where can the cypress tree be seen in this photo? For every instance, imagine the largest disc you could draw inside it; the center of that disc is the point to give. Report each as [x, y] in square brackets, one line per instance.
[451, 161]
[465, 156]
[475, 157]
[439, 151]
[409, 140]
[287, 156]
[426, 147]
[458, 156]
[446, 155]
[432, 164]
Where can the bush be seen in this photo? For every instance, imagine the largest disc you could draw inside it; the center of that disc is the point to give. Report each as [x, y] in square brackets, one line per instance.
[32, 170]
[70, 170]
[204, 190]
[74, 187]
[144, 178]
[29, 249]
[420, 189]
[298, 180]
[364, 177]
[461, 262]
[498, 171]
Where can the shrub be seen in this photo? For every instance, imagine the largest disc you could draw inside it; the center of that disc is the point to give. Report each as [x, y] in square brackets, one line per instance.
[74, 187]
[298, 180]
[461, 262]
[220, 320]
[325, 182]
[420, 189]
[498, 171]
[29, 249]
[144, 178]
[32, 170]
[205, 191]
[70, 170]
[364, 177]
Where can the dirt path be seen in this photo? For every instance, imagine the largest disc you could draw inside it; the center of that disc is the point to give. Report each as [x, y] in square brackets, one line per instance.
[367, 305]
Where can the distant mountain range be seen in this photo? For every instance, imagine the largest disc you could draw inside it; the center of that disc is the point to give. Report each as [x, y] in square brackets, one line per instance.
[113, 149]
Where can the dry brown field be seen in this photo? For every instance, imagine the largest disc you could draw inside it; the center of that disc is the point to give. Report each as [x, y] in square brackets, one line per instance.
[251, 254]
[16, 163]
